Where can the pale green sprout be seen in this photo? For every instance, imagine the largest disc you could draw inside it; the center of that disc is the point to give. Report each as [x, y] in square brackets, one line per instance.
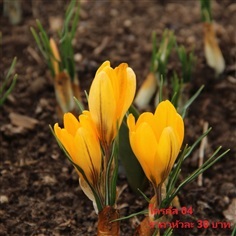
[177, 92]
[188, 62]
[180, 85]
[60, 60]
[66, 36]
[161, 55]
[7, 81]
[206, 10]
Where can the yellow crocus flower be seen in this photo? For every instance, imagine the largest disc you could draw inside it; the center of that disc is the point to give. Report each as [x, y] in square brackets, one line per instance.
[156, 140]
[79, 138]
[111, 94]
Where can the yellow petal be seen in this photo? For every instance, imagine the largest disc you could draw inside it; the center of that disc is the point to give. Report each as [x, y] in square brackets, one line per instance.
[65, 139]
[167, 153]
[92, 147]
[102, 106]
[87, 122]
[57, 131]
[144, 145]
[111, 74]
[131, 122]
[88, 154]
[71, 124]
[104, 64]
[68, 142]
[149, 118]
[82, 157]
[119, 83]
[129, 92]
[166, 115]
[179, 129]
[124, 85]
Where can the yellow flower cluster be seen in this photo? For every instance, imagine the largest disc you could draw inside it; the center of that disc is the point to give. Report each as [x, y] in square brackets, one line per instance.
[110, 96]
[156, 138]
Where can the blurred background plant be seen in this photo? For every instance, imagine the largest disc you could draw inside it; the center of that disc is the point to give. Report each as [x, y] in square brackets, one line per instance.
[7, 82]
[213, 54]
[60, 59]
[13, 10]
[157, 86]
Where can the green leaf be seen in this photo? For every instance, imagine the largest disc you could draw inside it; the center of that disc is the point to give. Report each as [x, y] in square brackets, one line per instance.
[38, 42]
[4, 94]
[143, 212]
[206, 10]
[168, 232]
[133, 111]
[11, 67]
[163, 53]
[144, 196]
[9, 90]
[154, 52]
[75, 21]
[190, 149]
[191, 100]
[114, 174]
[66, 36]
[206, 165]
[173, 177]
[43, 43]
[176, 87]
[79, 104]
[161, 89]
[134, 172]
[6, 79]
[187, 63]
[234, 231]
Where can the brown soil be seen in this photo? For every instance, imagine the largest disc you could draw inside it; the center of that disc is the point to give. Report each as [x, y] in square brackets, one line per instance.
[39, 193]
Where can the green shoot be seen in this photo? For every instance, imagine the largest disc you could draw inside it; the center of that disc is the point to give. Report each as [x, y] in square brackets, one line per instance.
[187, 62]
[4, 92]
[160, 55]
[206, 10]
[65, 42]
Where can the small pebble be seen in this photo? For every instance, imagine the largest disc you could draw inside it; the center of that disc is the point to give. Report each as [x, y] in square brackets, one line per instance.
[4, 199]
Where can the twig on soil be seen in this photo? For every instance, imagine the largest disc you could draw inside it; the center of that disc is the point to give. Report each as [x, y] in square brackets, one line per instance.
[202, 150]
[98, 50]
[34, 55]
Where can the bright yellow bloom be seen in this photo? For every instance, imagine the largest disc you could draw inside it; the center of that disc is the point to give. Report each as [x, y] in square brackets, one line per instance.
[156, 140]
[110, 96]
[80, 140]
